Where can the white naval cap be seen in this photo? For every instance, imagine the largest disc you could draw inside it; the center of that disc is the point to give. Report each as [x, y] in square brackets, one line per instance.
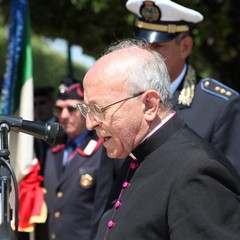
[161, 20]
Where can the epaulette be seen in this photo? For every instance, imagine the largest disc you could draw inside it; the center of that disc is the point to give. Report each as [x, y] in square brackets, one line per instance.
[218, 89]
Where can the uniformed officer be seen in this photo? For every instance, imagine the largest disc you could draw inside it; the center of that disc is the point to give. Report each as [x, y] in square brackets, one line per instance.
[209, 107]
[78, 174]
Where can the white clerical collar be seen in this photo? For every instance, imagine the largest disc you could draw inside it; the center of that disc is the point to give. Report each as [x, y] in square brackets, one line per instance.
[177, 81]
[166, 119]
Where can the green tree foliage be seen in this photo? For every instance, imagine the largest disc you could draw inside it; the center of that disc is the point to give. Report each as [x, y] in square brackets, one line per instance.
[49, 67]
[3, 50]
[217, 43]
[93, 24]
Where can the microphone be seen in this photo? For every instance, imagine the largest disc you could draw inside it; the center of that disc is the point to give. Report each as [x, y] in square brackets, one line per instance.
[52, 133]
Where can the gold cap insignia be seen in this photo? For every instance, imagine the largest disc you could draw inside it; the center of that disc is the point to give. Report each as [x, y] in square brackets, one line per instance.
[150, 12]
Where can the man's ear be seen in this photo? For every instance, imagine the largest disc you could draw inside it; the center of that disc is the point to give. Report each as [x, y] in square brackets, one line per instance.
[151, 104]
[186, 46]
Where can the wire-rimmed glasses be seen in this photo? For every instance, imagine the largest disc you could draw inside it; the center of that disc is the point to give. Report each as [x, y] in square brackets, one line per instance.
[96, 111]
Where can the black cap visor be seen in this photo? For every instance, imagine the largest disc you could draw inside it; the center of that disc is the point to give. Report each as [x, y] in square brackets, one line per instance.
[154, 36]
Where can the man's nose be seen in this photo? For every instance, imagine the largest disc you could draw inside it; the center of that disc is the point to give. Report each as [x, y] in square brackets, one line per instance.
[65, 113]
[91, 122]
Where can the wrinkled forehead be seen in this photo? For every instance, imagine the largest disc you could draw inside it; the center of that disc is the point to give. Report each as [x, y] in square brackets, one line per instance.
[102, 90]
[108, 76]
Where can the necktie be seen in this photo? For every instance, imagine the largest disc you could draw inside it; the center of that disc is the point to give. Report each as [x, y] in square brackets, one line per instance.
[70, 150]
[69, 153]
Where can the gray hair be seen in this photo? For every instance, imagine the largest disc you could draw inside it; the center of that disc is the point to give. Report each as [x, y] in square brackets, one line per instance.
[147, 73]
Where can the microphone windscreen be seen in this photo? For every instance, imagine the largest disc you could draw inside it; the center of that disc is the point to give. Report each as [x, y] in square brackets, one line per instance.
[56, 134]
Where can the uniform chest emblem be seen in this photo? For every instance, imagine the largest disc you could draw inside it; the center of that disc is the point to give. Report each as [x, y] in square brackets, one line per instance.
[86, 181]
[87, 177]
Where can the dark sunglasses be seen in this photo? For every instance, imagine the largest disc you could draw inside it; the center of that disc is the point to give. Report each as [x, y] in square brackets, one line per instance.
[71, 109]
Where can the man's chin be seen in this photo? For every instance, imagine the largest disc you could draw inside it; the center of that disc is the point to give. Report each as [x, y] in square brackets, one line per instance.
[114, 154]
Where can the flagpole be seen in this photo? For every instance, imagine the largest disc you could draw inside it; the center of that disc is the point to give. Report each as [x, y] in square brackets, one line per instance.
[69, 60]
[5, 179]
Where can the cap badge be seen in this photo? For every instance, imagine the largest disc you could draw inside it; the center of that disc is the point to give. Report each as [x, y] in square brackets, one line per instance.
[62, 88]
[150, 12]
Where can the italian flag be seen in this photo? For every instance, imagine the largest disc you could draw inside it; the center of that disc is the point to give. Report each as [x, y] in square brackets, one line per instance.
[17, 98]
[23, 100]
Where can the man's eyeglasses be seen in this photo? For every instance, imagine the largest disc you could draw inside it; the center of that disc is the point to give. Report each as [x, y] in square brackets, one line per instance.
[71, 109]
[96, 111]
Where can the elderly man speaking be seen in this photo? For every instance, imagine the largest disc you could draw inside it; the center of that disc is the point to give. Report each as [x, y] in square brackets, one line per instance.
[174, 185]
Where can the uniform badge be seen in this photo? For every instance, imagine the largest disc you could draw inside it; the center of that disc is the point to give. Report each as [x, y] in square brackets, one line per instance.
[87, 178]
[62, 88]
[150, 12]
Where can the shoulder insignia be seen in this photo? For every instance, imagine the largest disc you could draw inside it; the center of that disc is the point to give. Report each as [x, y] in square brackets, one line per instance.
[218, 89]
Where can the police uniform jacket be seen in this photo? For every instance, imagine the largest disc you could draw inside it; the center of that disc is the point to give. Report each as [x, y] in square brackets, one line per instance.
[214, 113]
[76, 196]
[180, 187]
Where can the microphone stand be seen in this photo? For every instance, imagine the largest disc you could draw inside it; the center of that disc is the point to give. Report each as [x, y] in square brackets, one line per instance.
[6, 231]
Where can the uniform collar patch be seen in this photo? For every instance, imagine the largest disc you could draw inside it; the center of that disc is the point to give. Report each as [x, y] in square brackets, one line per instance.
[187, 93]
